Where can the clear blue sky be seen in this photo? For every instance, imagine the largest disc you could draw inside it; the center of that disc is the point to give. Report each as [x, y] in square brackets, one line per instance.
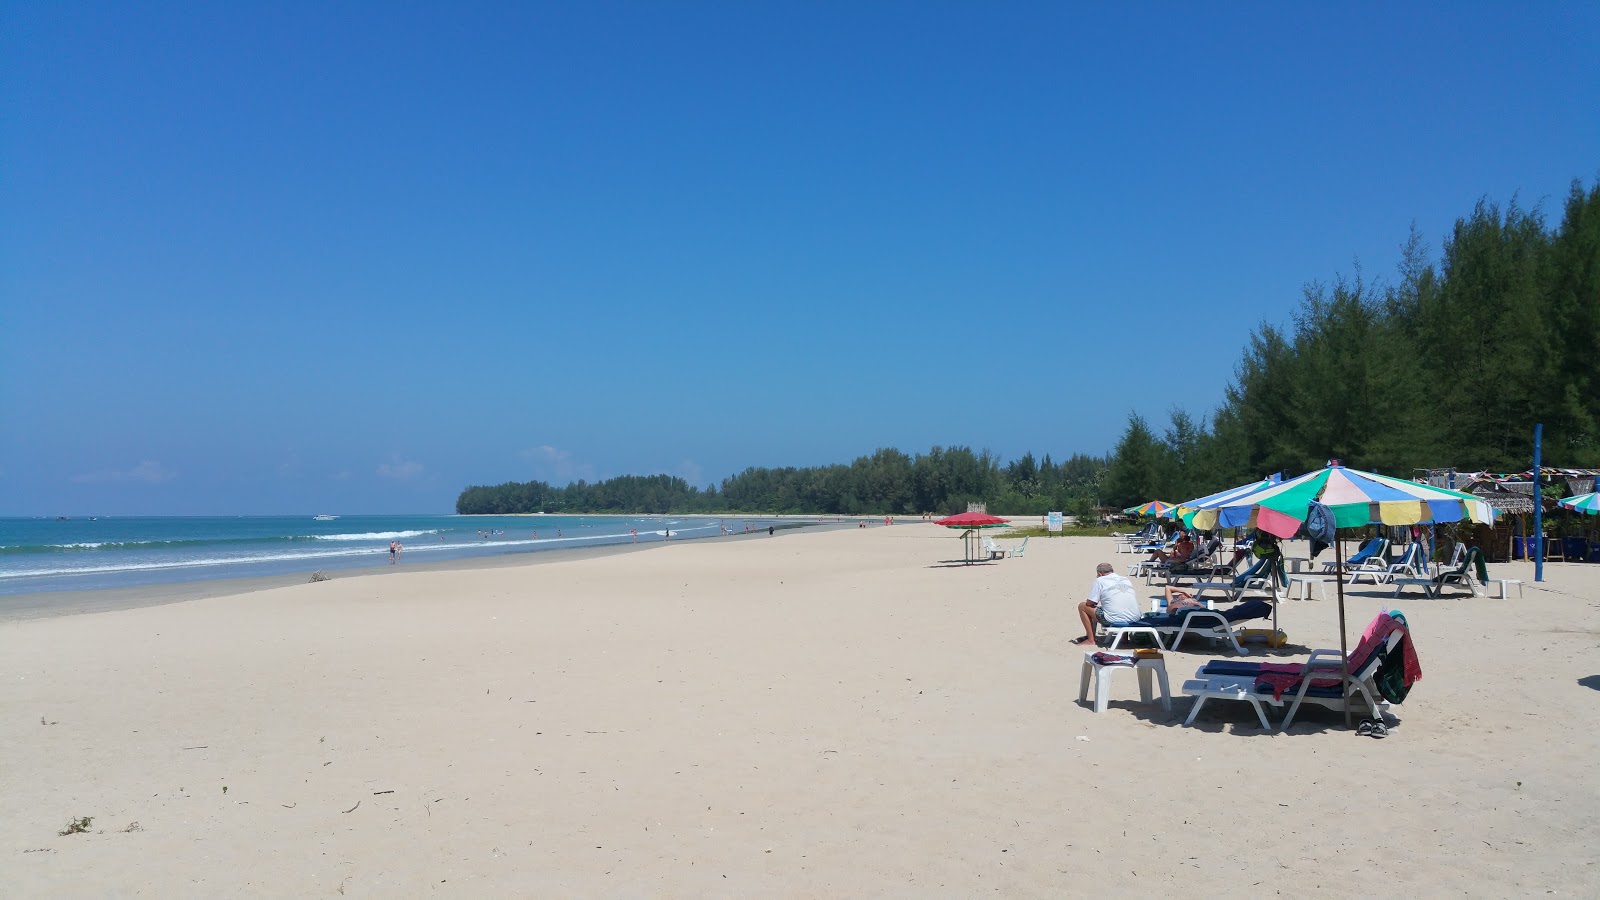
[261, 258]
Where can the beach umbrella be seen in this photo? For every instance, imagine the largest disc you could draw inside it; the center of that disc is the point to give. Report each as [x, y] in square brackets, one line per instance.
[970, 523]
[1356, 498]
[1152, 508]
[1188, 511]
[1584, 503]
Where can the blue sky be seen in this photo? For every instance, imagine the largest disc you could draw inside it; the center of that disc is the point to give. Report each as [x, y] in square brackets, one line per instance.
[290, 258]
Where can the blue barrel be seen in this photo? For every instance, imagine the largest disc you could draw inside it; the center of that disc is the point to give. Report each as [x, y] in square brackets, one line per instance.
[1518, 550]
[1577, 549]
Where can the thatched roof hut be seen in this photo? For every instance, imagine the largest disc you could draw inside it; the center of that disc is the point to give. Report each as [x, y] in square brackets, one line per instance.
[1505, 496]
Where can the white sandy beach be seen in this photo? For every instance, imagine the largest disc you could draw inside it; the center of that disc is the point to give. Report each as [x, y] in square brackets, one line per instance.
[819, 714]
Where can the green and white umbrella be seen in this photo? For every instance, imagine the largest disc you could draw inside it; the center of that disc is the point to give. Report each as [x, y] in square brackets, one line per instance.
[1584, 503]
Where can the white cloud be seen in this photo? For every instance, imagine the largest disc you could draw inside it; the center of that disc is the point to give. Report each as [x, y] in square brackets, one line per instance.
[146, 472]
[399, 469]
[556, 465]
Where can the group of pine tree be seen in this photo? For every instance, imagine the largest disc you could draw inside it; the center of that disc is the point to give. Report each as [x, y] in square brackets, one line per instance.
[1449, 364]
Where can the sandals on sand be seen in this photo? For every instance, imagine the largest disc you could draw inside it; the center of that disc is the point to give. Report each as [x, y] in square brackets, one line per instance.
[1372, 728]
[1080, 640]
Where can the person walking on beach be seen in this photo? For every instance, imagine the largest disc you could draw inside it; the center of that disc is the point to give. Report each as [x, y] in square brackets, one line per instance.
[1112, 601]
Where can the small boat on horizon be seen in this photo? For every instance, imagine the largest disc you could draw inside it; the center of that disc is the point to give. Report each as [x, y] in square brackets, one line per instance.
[324, 518]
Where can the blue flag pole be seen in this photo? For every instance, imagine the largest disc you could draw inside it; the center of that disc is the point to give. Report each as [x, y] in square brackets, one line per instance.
[1538, 505]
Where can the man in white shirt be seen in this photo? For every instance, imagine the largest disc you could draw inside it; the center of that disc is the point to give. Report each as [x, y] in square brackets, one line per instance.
[1112, 601]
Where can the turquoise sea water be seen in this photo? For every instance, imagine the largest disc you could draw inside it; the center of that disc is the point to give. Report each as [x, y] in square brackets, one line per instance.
[41, 554]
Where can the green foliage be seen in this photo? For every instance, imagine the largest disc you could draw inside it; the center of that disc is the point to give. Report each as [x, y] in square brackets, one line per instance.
[1452, 365]
[1141, 466]
[942, 481]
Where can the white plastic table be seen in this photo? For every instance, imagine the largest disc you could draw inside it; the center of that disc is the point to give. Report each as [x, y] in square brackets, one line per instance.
[1303, 585]
[1101, 675]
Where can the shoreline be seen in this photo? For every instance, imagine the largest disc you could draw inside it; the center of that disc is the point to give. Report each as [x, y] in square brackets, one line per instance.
[38, 605]
[843, 711]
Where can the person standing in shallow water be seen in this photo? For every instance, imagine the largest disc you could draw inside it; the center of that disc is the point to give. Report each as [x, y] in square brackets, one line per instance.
[394, 552]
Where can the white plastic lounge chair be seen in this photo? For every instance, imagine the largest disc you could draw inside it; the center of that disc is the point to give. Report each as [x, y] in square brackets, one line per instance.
[1210, 623]
[1229, 680]
[1017, 551]
[1462, 576]
[1410, 564]
[991, 549]
[1370, 556]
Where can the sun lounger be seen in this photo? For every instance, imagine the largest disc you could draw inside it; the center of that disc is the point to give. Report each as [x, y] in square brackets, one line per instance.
[1370, 556]
[1410, 564]
[1212, 623]
[1236, 680]
[1466, 575]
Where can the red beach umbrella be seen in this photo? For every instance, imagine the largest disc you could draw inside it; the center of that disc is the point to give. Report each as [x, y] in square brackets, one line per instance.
[973, 520]
[970, 523]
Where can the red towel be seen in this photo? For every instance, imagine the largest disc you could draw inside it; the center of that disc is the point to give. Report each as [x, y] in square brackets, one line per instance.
[1284, 676]
[1378, 631]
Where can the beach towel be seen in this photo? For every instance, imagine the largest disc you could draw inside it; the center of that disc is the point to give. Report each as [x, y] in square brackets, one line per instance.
[1112, 659]
[1281, 677]
[1249, 609]
[1320, 527]
[1400, 667]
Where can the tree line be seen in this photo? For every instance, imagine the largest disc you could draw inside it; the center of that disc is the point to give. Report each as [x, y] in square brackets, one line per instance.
[1450, 364]
[943, 480]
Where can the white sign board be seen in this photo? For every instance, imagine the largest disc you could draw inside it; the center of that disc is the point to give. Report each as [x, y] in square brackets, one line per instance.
[1055, 522]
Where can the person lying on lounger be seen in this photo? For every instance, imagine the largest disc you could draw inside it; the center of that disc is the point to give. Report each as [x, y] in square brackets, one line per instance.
[1112, 601]
[1179, 599]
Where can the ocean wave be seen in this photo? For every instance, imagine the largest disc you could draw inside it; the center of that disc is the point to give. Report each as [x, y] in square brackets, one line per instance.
[238, 559]
[373, 535]
[105, 564]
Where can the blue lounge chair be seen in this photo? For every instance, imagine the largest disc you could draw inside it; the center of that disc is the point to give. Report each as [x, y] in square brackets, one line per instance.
[1370, 556]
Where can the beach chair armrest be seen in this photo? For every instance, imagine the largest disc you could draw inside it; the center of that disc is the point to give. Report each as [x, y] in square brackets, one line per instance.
[1323, 658]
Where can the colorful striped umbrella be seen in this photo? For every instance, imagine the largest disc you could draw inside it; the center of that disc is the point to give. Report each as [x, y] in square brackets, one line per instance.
[1153, 508]
[1187, 511]
[1356, 498]
[1584, 503]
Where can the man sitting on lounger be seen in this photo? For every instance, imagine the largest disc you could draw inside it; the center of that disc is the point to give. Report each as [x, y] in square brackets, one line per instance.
[1111, 602]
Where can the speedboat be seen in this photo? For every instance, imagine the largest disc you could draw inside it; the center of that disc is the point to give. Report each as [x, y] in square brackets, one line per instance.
[324, 518]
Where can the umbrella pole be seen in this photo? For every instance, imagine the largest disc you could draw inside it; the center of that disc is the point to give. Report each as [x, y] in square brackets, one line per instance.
[1344, 645]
